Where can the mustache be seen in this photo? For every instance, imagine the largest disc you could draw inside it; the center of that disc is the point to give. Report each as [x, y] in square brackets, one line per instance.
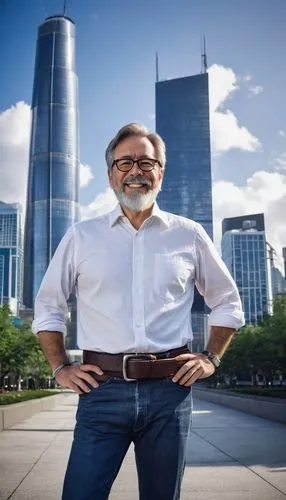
[140, 179]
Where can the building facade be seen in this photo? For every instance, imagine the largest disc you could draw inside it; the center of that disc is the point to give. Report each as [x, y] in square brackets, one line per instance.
[11, 256]
[244, 253]
[278, 282]
[182, 119]
[53, 181]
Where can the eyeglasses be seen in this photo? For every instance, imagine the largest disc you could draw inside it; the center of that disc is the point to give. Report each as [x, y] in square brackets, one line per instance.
[145, 164]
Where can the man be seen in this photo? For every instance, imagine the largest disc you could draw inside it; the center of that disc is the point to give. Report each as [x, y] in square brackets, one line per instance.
[134, 271]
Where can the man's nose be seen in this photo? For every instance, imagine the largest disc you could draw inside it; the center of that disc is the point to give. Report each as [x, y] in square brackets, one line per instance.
[136, 169]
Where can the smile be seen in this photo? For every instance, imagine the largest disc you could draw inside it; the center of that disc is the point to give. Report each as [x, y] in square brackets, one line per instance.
[136, 185]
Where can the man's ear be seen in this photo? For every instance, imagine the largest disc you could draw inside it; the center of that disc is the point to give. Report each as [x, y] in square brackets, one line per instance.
[109, 174]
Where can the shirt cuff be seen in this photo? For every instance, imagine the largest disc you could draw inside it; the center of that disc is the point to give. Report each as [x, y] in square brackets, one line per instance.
[49, 326]
[227, 320]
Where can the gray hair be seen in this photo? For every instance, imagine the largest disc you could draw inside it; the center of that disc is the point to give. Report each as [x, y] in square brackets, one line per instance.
[139, 130]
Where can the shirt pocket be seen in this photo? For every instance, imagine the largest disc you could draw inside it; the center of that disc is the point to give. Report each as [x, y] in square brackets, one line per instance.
[172, 276]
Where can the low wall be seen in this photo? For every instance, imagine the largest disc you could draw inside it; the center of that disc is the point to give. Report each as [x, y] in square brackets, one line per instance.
[14, 413]
[261, 406]
[270, 408]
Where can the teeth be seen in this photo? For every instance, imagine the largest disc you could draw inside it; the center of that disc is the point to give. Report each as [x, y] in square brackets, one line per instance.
[135, 185]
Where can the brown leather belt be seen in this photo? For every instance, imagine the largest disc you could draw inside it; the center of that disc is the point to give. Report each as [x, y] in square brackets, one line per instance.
[133, 366]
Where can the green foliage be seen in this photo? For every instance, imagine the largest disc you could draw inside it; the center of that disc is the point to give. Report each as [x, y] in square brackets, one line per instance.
[18, 397]
[272, 392]
[20, 351]
[259, 350]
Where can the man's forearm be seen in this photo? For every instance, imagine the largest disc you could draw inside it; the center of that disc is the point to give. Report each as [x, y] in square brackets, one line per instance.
[52, 344]
[219, 339]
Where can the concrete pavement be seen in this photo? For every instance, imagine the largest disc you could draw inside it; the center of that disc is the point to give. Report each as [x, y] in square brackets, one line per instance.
[231, 456]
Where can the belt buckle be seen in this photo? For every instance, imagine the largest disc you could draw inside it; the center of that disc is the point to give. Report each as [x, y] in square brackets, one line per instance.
[126, 357]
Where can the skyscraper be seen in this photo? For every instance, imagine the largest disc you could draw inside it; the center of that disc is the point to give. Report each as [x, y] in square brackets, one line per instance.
[11, 256]
[182, 119]
[53, 182]
[244, 253]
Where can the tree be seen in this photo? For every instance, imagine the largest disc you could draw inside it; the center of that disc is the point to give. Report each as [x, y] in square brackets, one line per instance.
[259, 350]
[8, 342]
[20, 351]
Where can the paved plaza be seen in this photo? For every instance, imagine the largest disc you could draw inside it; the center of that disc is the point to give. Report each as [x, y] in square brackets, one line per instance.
[231, 456]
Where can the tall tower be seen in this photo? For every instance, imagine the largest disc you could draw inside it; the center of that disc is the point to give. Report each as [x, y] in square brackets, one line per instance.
[11, 256]
[182, 119]
[53, 181]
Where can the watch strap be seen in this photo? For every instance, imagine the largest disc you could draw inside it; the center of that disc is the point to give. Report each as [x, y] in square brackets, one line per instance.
[215, 360]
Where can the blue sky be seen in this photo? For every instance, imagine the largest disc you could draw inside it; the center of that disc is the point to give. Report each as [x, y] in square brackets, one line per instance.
[116, 41]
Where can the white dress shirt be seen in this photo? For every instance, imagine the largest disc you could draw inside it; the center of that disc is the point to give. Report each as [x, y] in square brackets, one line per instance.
[135, 289]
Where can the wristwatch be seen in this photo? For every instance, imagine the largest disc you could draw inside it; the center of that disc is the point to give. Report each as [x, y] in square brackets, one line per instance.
[215, 360]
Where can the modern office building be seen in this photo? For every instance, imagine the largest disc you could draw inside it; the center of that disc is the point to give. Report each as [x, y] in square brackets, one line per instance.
[11, 256]
[182, 119]
[244, 252]
[53, 182]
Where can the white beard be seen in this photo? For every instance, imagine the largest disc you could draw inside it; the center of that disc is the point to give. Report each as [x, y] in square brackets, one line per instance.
[136, 202]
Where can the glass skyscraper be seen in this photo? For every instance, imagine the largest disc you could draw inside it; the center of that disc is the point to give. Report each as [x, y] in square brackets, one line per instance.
[11, 256]
[244, 253]
[182, 119]
[53, 182]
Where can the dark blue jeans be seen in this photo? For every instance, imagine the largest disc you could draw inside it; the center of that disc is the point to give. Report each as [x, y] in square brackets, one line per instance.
[153, 414]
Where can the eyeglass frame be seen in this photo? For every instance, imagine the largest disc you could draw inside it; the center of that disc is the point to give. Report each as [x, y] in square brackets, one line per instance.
[136, 161]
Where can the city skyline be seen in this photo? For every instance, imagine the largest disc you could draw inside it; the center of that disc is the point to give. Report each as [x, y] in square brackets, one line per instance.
[246, 95]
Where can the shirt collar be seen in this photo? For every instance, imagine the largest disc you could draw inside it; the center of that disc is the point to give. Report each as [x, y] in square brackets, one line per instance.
[159, 214]
[114, 215]
[117, 213]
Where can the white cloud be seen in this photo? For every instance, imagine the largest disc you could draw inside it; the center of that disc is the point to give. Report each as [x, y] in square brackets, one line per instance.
[103, 203]
[263, 192]
[226, 132]
[280, 162]
[223, 82]
[247, 78]
[85, 175]
[282, 133]
[15, 125]
[255, 90]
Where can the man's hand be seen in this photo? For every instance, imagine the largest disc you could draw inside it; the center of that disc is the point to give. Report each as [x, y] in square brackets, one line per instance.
[74, 377]
[196, 366]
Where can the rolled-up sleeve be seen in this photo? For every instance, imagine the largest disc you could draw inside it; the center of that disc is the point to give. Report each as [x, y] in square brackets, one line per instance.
[50, 308]
[216, 284]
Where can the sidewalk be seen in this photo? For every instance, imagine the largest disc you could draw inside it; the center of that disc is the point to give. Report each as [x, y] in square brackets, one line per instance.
[232, 456]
